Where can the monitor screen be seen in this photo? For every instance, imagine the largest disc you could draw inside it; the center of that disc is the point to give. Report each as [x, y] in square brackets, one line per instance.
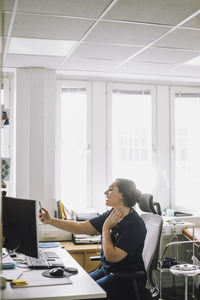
[19, 218]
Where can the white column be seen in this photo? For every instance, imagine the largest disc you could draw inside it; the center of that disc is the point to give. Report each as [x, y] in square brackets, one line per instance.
[22, 132]
[35, 134]
[163, 146]
[99, 145]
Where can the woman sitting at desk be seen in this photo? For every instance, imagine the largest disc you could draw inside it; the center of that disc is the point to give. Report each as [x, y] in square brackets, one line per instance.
[123, 234]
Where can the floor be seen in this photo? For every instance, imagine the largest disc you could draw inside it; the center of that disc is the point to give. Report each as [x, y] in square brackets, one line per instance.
[178, 294]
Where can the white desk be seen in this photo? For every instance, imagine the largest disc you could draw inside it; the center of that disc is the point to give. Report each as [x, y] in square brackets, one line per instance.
[82, 287]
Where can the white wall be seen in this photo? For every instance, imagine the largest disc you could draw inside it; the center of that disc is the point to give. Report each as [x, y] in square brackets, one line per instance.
[99, 178]
[35, 138]
[163, 146]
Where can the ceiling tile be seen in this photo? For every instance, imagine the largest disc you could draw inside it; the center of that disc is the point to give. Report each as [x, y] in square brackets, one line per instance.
[182, 39]
[169, 12]
[40, 46]
[59, 28]
[90, 64]
[145, 68]
[104, 51]
[80, 8]
[110, 42]
[194, 61]
[26, 61]
[6, 23]
[165, 55]
[8, 4]
[125, 33]
[193, 23]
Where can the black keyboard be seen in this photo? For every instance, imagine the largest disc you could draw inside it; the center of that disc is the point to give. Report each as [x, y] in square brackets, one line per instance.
[46, 260]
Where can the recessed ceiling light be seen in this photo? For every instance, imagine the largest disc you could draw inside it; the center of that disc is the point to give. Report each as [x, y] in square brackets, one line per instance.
[195, 61]
[40, 46]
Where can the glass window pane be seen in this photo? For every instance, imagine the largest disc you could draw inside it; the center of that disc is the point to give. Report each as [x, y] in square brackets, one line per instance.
[132, 138]
[73, 148]
[187, 145]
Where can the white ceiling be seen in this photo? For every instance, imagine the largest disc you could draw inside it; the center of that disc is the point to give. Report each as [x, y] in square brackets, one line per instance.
[123, 37]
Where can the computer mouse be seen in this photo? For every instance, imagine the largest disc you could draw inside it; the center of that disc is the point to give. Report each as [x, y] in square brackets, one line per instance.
[57, 272]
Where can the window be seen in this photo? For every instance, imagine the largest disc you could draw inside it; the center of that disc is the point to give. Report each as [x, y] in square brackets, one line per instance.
[131, 136]
[186, 149]
[74, 140]
[138, 131]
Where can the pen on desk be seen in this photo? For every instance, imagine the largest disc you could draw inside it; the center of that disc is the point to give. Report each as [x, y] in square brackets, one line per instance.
[20, 275]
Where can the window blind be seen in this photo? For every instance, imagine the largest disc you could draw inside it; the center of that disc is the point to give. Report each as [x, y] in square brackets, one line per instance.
[131, 92]
[187, 95]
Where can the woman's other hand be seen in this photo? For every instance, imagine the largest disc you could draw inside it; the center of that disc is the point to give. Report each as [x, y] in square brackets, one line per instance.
[44, 216]
[112, 220]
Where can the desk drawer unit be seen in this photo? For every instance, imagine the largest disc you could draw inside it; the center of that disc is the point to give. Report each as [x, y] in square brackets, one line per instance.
[82, 253]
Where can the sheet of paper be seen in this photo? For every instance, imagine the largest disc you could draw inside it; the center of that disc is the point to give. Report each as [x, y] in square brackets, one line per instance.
[46, 282]
[12, 274]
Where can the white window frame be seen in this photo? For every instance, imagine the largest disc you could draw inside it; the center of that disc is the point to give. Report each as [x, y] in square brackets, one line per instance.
[173, 91]
[130, 87]
[87, 86]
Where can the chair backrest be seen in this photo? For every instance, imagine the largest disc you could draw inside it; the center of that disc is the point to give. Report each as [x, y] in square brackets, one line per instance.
[150, 253]
[147, 204]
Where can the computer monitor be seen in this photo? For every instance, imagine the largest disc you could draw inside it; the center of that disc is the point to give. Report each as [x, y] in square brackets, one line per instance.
[19, 218]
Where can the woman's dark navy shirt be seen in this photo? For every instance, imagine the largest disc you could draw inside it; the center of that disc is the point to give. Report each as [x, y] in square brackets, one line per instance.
[128, 235]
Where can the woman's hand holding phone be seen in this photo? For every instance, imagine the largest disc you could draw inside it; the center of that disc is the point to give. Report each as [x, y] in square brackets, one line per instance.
[44, 215]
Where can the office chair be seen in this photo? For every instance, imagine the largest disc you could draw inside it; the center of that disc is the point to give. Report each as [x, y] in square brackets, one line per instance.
[153, 222]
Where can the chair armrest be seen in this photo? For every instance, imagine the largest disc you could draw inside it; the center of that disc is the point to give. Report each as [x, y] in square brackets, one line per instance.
[133, 275]
[95, 258]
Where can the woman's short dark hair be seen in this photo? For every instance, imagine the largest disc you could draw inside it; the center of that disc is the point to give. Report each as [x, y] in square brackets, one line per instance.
[129, 192]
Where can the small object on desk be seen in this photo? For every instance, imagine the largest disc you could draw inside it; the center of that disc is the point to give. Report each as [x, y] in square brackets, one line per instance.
[55, 273]
[51, 254]
[182, 214]
[60, 272]
[70, 270]
[8, 265]
[86, 214]
[175, 213]
[49, 244]
[8, 262]
[18, 282]
[57, 264]
[86, 239]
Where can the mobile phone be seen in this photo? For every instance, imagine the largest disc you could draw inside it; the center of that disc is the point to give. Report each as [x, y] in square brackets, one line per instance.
[41, 209]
